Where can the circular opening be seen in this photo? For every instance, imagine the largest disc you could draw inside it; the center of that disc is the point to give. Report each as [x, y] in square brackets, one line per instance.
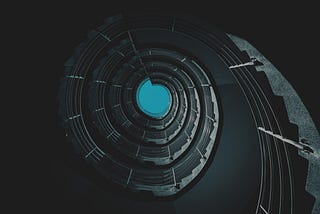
[153, 99]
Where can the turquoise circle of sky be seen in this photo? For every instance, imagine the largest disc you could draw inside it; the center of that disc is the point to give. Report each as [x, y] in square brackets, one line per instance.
[153, 99]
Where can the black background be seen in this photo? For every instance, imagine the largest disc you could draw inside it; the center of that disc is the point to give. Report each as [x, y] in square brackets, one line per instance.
[47, 34]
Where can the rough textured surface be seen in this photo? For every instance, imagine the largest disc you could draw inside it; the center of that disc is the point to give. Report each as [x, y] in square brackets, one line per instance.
[297, 113]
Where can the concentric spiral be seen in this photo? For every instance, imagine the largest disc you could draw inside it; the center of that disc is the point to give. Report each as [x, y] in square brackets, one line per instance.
[161, 155]
[216, 96]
